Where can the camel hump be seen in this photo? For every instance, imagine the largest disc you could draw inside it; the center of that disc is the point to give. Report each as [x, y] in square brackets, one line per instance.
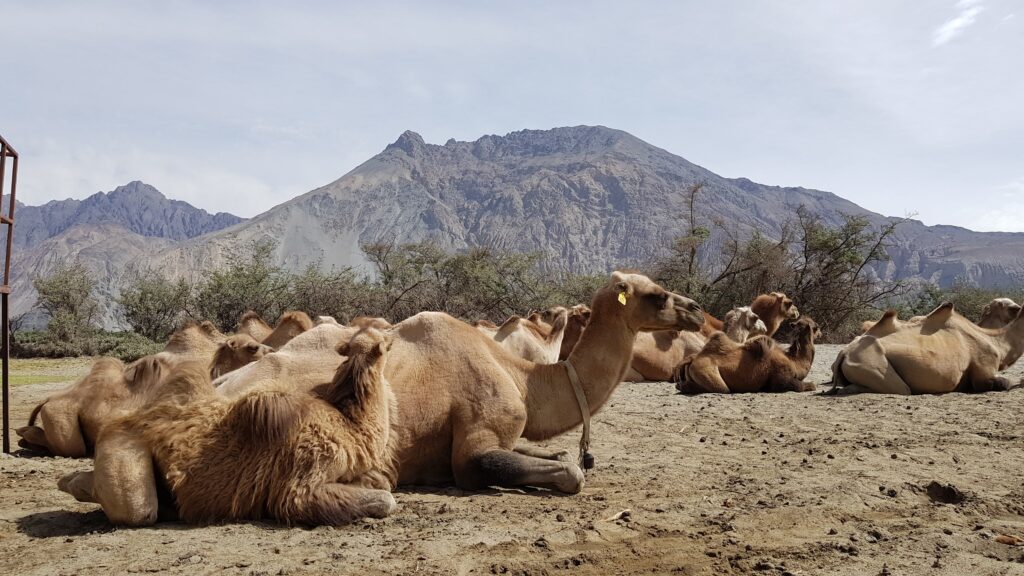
[759, 346]
[267, 416]
[507, 327]
[885, 325]
[561, 321]
[250, 315]
[718, 343]
[296, 317]
[938, 317]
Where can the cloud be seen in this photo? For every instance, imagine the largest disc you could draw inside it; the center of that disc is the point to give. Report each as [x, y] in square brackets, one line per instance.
[967, 13]
[1008, 214]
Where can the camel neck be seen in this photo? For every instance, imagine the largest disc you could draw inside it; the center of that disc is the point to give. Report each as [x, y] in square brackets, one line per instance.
[601, 358]
[801, 352]
[1012, 342]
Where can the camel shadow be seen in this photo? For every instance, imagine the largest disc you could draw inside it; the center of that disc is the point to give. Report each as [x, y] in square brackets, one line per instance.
[493, 492]
[62, 523]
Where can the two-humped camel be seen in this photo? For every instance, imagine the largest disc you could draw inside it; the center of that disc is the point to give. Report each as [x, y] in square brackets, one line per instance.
[463, 400]
[531, 338]
[756, 365]
[277, 452]
[657, 354]
[70, 420]
[944, 352]
[996, 314]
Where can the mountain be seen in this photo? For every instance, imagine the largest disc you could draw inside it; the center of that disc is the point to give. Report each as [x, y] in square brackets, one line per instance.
[588, 198]
[136, 206]
[107, 232]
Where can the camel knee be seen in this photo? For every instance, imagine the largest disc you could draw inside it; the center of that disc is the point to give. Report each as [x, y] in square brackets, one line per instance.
[62, 431]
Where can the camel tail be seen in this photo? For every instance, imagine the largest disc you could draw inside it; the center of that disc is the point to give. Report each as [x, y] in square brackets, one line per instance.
[35, 412]
[267, 417]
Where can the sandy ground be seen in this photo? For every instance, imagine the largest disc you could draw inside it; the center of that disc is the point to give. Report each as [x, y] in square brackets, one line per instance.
[772, 484]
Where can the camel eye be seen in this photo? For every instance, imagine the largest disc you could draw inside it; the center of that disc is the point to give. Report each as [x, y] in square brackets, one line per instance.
[252, 348]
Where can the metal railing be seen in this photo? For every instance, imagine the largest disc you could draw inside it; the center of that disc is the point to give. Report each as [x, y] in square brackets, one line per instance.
[7, 220]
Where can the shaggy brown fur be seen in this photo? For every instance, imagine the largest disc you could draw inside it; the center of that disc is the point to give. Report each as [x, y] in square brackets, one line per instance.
[711, 325]
[237, 351]
[276, 453]
[290, 325]
[757, 365]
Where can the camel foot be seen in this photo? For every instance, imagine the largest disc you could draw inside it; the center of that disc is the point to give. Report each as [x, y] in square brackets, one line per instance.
[994, 384]
[849, 390]
[380, 505]
[510, 469]
[79, 485]
[33, 435]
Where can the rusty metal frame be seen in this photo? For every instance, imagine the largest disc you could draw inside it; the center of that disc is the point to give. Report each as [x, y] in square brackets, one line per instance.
[7, 220]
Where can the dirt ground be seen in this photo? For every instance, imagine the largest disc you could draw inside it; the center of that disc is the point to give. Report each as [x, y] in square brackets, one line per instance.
[772, 484]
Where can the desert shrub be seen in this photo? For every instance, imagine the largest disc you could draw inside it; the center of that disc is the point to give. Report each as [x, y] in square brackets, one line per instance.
[249, 281]
[152, 304]
[126, 346]
[340, 294]
[66, 295]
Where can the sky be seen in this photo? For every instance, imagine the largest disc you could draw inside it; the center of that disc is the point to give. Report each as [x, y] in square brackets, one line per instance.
[902, 106]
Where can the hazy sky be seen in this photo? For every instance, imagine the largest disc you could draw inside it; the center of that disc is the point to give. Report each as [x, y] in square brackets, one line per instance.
[901, 106]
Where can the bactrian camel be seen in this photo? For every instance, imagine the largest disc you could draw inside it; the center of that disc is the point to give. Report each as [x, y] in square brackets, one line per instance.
[273, 453]
[756, 365]
[944, 352]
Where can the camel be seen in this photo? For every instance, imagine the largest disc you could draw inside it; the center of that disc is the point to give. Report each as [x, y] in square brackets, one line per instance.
[999, 313]
[463, 400]
[70, 420]
[774, 309]
[278, 453]
[370, 322]
[237, 351]
[290, 325]
[756, 365]
[742, 323]
[250, 323]
[944, 352]
[534, 341]
[656, 355]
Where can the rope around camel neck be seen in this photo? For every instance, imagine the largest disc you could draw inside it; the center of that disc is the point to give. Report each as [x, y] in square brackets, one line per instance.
[581, 399]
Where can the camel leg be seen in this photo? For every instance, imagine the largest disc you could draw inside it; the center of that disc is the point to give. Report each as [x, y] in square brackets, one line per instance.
[790, 384]
[79, 485]
[123, 481]
[633, 376]
[702, 377]
[508, 469]
[336, 504]
[544, 453]
[33, 438]
[63, 434]
[993, 384]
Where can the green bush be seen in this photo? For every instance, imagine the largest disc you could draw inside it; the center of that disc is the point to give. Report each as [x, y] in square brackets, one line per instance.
[126, 346]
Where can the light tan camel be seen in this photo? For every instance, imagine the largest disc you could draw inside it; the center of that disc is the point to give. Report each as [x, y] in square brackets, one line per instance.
[70, 420]
[742, 323]
[943, 353]
[464, 401]
[756, 365]
[236, 351]
[656, 355]
[252, 324]
[535, 341]
[998, 313]
[282, 454]
[290, 325]
[579, 317]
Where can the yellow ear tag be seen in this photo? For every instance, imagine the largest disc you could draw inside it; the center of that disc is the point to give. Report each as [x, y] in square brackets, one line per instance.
[622, 298]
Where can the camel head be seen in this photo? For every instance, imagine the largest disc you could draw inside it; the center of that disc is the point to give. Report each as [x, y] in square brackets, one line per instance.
[744, 322]
[235, 352]
[806, 328]
[551, 314]
[364, 322]
[580, 312]
[785, 306]
[646, 306]
[999, 313]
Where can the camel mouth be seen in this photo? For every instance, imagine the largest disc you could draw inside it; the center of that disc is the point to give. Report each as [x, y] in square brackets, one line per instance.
[690, 321]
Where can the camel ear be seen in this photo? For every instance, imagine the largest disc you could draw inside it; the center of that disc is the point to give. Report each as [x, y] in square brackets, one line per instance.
[624, 287]
[232, 343]
[343, 349]
[986, 310]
